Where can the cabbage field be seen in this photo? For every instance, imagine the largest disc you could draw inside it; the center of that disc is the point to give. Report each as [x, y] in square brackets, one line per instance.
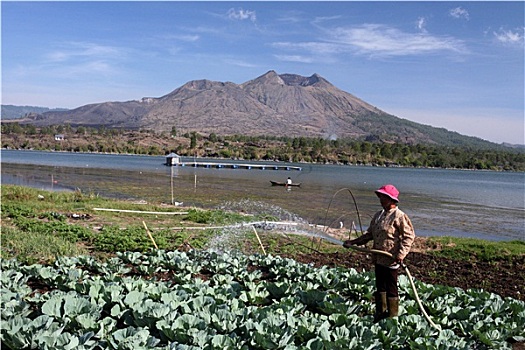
[206, 299]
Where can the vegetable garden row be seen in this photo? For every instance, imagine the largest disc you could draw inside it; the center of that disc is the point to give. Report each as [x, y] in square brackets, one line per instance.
[204, 299]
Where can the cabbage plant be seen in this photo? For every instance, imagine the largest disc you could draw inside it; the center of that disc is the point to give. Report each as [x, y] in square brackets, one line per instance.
[205, 299]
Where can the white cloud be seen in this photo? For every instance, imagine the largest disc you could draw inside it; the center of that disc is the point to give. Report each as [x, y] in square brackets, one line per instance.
[294, 58]
[203, 29]
[319, 20]
[73, 71]
[312, 46]
[240, 14]
[187, 38]
[375, 40]
[177, 37]
[239, 63]
[292, 17]
[309, 52]
[421, 23]
[510, 37]
[381, 40]
[83, 50]
[65, 71]
[459, 13]
[73, 60]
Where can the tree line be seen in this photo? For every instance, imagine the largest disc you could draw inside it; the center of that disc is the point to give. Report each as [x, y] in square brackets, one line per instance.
[272, 148]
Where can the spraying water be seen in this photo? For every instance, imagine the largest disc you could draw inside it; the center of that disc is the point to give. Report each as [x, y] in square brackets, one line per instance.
[297, 226]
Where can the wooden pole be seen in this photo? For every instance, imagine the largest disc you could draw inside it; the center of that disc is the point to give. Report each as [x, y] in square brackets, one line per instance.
[150, 236]
[171, 182]
[257, 235]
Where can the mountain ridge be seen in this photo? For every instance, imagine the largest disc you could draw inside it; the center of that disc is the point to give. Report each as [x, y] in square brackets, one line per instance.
[16, 112]
[271, 104]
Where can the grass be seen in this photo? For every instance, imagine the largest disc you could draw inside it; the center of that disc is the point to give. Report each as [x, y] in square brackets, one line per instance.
[466, 248]
[37, 226]
[35, 247]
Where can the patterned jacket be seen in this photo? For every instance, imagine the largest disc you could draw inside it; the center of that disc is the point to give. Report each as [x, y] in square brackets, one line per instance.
[391, 231]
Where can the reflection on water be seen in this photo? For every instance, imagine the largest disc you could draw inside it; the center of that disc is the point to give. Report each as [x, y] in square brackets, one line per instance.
[459, 203]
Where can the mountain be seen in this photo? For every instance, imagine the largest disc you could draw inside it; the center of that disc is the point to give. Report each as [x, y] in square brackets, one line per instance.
[16, 112]
[272, 104]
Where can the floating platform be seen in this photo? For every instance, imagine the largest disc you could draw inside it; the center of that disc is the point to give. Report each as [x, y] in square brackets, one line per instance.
[238, 166]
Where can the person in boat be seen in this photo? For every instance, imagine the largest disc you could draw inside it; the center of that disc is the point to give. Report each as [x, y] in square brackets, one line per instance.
[391, 231]
[288, 181]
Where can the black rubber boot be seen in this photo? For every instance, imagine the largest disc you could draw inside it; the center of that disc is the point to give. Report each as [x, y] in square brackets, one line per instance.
[381, 306]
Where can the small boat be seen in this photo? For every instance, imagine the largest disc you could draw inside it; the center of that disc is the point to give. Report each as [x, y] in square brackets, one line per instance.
[276, 183]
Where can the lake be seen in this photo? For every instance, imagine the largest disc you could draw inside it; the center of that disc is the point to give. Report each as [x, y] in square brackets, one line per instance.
[480, 204]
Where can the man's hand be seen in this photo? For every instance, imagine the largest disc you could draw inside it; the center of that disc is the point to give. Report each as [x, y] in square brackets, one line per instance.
[350, 242]
[347, 243]
[398, 261]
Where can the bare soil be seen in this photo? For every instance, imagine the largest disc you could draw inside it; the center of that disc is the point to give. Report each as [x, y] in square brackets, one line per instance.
[505, 277]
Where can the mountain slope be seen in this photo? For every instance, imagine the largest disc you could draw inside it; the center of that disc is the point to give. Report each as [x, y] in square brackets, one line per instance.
[272, 104]
[16, 112]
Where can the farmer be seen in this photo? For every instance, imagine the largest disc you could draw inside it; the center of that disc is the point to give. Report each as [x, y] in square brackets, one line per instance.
[392, 232]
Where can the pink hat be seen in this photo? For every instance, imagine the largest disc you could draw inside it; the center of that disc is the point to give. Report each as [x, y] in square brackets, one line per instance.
[390, 191]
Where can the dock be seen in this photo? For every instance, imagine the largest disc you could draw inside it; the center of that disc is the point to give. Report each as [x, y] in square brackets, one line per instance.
[174, 159]
[238, 166]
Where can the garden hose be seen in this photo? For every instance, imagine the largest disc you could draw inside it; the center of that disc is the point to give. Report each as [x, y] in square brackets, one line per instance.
[375, 251]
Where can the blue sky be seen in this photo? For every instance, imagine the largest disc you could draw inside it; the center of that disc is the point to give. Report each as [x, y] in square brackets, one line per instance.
[457, 65]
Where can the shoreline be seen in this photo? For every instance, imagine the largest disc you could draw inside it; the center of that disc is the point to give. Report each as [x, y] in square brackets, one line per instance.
[269, 161]
[145, 178]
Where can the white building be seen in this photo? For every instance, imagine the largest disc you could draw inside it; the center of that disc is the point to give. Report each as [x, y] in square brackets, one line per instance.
[172, 159]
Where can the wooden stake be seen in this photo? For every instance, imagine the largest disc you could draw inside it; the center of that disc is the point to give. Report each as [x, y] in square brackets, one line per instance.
[257, 235]
[150, 236]
[171, 184]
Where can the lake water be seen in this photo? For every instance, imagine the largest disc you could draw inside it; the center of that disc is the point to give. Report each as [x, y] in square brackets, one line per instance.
[482, 204]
